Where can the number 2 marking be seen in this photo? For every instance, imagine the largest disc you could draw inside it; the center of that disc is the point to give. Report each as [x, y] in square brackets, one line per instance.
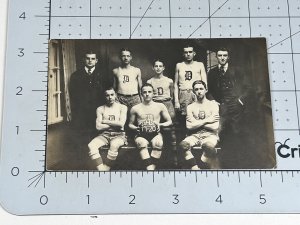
[20, 89]
[132, 200]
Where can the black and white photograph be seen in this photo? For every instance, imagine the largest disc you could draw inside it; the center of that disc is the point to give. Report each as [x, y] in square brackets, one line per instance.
[159, 104]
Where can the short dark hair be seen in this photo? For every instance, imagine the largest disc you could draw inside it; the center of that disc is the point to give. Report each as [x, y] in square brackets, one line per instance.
[108, 89]
[147, 85]
[158, 60]
[223, 49]
[90, 51]
[199, 82]
[124, 49]
[188, 45]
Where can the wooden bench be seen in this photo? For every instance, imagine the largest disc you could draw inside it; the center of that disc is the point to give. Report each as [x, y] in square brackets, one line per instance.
[129, 158]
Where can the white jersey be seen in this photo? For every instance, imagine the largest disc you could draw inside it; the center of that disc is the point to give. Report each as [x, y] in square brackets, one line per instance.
[161, 87]
[127, 80]
[196, 111]
[112, 113]
[188, 73]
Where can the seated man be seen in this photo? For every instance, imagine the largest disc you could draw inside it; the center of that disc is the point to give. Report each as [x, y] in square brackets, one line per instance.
[163, 93]
[145, 120]
[110, 121]
[202, 121]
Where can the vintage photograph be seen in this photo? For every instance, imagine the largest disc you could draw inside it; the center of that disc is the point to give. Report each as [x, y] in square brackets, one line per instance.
[159, 104]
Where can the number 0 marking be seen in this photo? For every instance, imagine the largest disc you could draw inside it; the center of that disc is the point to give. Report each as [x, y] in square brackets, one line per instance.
[132, 200]
[44, 199]
[15, 171]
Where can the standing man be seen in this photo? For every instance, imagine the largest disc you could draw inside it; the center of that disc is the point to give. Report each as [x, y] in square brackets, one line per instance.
[111, 118]
[86, 87]
[127, 80]
[186, 73]
[228, 86]
[163, 93]
[163, 87]
[145, 119]
[202, 122]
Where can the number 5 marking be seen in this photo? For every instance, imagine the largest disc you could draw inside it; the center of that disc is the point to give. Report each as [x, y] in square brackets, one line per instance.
[262, 198]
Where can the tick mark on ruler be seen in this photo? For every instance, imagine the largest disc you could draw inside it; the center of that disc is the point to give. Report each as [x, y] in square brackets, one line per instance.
[174, 179]
[260, 179]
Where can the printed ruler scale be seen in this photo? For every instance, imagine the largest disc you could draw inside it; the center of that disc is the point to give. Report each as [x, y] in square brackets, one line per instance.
[27, 188]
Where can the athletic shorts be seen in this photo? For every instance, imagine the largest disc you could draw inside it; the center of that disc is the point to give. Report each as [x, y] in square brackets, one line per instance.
[150, 137]
[186, 97]
[170, 107]
[201, 138]
[129, 100]
[108, 136]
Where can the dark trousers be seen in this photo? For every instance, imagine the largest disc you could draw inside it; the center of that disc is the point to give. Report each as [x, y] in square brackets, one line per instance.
[233, 136]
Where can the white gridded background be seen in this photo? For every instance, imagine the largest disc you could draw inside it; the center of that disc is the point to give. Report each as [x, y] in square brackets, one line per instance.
[277, 20]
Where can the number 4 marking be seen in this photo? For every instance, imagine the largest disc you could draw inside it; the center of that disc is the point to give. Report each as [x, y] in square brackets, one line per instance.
[219, 199]
[22, 16]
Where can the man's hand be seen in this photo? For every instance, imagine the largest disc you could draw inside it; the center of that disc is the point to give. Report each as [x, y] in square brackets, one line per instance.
[138, 130]
[158, 127]
[213, 119]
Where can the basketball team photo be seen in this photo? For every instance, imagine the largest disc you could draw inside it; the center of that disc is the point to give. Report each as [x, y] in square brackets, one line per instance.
[159, 104]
